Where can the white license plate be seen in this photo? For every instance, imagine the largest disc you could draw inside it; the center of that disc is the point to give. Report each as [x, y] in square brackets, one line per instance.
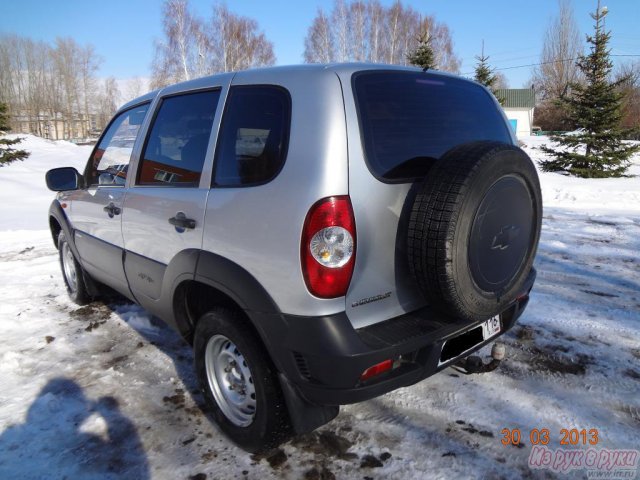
[491, 327]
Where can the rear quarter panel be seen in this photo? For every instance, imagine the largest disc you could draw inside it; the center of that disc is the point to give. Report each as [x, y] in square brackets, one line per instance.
[260, 227]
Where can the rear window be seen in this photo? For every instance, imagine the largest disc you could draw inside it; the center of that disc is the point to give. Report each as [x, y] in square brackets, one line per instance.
[408, 120]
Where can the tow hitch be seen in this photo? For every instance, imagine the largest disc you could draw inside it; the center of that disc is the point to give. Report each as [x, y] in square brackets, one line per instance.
[474, 364]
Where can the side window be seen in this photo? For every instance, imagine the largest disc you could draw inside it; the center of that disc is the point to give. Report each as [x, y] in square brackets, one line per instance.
[109, 162]
[252, 145]
[177, 143]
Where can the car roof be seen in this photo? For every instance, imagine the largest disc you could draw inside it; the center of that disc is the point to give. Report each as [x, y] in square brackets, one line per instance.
[341, 69]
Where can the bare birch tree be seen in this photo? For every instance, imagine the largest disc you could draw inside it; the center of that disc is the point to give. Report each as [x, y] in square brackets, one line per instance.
[375, 19]
[558, 69]
[561, 48]
[340, 22]
[318, 45]
[174, 60]
[44, 85]
[108, 100]
[358, 18]
[37, 63]
[393, 17]
[193, 48]
[67, 69]
[88, 63]
[367, 31]
[628, 77]
[235, 42]
[134, 87]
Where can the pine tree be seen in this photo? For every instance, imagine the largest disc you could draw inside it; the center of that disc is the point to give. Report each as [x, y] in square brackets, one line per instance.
[8, 154]
[423, 55]
[597, 148]
[484, 74]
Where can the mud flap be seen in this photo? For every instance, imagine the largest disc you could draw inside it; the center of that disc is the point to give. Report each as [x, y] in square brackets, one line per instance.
[305, 417]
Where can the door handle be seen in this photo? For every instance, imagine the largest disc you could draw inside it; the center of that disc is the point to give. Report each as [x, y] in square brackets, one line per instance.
[112, 210]
[180, 221]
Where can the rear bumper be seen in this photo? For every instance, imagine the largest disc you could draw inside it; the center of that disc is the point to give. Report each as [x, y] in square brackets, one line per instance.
[324, 357]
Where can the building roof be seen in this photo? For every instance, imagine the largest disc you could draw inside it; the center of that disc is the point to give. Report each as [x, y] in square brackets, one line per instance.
[517, 97]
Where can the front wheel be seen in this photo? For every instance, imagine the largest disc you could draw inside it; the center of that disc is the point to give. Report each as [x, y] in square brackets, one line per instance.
[72, 273]
[239, 381]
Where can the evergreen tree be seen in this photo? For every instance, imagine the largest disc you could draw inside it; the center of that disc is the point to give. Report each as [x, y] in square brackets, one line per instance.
[597, 148]
[8, 154]
[423, 55]
[484, 74]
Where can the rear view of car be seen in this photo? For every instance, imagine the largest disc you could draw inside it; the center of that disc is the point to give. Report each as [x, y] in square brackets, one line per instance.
[322, 234]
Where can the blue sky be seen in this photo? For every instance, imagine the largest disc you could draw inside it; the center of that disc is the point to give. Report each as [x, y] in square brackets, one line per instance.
[123, 31]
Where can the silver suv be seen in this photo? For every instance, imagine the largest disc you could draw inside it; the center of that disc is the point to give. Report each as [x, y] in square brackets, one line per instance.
[320, 234]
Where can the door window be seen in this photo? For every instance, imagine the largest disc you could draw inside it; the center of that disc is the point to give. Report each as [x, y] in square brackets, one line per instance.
[177, 143]
[109, 161]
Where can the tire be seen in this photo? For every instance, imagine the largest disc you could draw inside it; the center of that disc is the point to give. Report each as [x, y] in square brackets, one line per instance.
[256, 419]
[467, 253]
[72, 273]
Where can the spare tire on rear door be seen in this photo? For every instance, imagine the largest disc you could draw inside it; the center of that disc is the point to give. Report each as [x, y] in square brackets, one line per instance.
[474, 228]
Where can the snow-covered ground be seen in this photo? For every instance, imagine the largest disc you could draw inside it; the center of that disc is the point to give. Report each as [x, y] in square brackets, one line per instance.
[106, 391]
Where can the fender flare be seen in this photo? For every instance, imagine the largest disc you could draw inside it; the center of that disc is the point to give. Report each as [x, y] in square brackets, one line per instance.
[55, 211]
[214, 271]
[234, 281]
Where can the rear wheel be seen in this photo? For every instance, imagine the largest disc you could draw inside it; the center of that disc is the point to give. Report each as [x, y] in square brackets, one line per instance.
[72, 273]
[239, 381]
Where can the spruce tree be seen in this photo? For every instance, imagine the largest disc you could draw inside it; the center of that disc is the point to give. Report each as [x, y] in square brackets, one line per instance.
[484, 74]
[7, 153]
[597, 148]
[423, 55]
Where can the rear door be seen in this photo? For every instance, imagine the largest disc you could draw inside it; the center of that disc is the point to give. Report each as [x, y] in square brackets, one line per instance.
[96, 210]
[164, 209]
[400, 123]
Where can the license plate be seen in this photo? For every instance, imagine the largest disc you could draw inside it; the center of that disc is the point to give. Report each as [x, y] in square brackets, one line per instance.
[491, 327]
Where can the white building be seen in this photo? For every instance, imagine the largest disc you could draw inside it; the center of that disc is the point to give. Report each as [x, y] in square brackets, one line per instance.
[518, 105]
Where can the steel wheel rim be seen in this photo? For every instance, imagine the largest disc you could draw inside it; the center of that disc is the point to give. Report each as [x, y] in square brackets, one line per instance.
[230, 380]
[69, 267]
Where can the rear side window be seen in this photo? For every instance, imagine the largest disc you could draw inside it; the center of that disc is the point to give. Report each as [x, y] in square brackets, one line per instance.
[409, 120]
[177, 143]
[253, 139]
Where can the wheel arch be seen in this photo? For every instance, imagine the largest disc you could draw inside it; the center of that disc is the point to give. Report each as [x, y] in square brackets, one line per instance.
[55, 228]
[218, 281]
[58, 222]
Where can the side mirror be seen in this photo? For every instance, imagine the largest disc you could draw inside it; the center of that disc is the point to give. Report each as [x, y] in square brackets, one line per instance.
[64, 178]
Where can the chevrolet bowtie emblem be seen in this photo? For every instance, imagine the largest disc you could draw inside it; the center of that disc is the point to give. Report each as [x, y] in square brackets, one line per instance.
[504, 238]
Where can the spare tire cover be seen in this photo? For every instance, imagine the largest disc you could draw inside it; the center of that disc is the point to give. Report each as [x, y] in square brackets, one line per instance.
[474, 227]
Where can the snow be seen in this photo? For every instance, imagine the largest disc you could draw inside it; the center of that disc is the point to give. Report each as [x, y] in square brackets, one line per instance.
[107, 391]
[23, 190]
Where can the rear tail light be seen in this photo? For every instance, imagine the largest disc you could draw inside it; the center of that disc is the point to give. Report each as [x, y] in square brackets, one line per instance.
[328, 247]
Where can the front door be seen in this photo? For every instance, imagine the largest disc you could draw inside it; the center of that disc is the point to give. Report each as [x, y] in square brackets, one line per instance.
[96, 210]
[164, 209]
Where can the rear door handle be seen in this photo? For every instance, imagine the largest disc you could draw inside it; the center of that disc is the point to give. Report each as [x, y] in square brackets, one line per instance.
[112, 210]
[180, 221]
